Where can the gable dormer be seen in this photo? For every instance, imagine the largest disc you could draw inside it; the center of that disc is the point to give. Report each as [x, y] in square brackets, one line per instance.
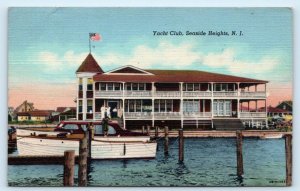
[128, 70]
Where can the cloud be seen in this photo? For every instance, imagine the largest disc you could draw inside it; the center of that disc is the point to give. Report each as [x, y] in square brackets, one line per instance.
[52, 61]
[227, 60]
[164, 54]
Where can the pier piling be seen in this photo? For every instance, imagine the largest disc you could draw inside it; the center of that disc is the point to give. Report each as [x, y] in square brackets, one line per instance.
[148, 130]
[288, 159]
[166, 145]
[69, 162]
[156, 132]
[143, 129]
[82, 164]
[181, 145]
[239, 153]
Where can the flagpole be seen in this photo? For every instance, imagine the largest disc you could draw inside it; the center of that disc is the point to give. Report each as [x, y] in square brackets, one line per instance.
[90, 42]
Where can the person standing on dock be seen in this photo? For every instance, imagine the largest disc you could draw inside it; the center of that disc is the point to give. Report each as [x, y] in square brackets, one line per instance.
[105, 126]
[102, 112]
[108, 112]
[91, 129]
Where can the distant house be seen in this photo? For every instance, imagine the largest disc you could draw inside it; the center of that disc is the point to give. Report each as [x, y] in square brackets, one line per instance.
[11, 114]
[286, 105]
[24, 107]
[40, 115]
[23, 116]
[36, 115]
[274, 111]
[64, 113]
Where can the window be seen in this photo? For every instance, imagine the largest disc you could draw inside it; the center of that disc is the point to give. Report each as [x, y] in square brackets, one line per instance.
[196, 87]
[90, 84]
[70, 127]
[89, 106]
[162, 105]
[110, 86]
[128, 86]
[103, 86]
[117, 86]
[99, 130]
[80, 84]
[126, 105]
[183, 87]
[156, 105]
[190, 87]
[141, 86]
[138, 106]
[131, 105]
[134, 86]
[80, 106]
[84, 127]
[169, 105]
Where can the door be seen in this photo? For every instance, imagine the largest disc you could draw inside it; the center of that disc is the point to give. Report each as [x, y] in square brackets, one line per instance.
[222, 108]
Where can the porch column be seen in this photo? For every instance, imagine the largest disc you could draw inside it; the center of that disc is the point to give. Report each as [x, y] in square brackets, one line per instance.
[266, 89]
[123, 105]
[212, 108]
[153, 89]
[181, 104]
[123, 93]
[248, 106]
[203, 102]
[238, 89]
[94, 101]
[77, 102]
[256, 105]
[238, 108]
[212, 89]
[84, 99]
[255, 87]
[153, 112]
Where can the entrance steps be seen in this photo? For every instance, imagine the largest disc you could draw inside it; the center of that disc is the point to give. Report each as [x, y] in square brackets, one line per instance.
[228, 124]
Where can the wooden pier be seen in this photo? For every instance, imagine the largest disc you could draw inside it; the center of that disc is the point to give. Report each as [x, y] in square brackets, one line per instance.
[85, 152]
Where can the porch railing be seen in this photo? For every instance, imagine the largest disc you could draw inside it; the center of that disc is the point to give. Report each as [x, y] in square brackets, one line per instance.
[138, 94]
[196, 114]
[252, 114]
[138, 115]
[108, 93]
[167, 94]
[196, 94]
[167, 115]
[253, 94]
[225, 94]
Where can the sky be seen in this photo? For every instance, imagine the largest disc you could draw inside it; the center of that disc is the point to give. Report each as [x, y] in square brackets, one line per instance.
[47, 45]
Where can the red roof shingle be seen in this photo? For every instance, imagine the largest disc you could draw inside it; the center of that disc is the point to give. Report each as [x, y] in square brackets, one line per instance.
[175, 76]
[90, 65]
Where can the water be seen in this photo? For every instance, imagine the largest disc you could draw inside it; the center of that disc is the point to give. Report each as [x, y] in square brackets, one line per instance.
[207, 162]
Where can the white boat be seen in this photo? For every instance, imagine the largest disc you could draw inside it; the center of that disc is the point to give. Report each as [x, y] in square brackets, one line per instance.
[110, 148]
[119, 144]
[271, 136]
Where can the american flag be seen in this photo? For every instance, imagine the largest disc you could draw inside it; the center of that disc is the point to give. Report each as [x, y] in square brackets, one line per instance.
[95, 36]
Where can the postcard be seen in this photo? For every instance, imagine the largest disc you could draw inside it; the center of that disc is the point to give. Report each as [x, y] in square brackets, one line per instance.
[153, 97]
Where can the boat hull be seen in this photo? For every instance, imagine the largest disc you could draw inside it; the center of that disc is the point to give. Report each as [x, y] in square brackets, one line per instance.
[112, 148]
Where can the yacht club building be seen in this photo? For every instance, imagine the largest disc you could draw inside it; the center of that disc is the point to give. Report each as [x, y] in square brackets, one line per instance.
[177, 98]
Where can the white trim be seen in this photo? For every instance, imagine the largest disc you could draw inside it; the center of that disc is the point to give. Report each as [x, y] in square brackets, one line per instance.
[128, 66]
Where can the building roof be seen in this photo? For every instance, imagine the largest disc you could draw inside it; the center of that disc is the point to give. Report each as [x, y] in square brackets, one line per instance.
[174, 76]
[290, 103]
[90, 65]
[23, 114]
[26, 104]
[40, 113]
[277, 110]
[64, 109]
